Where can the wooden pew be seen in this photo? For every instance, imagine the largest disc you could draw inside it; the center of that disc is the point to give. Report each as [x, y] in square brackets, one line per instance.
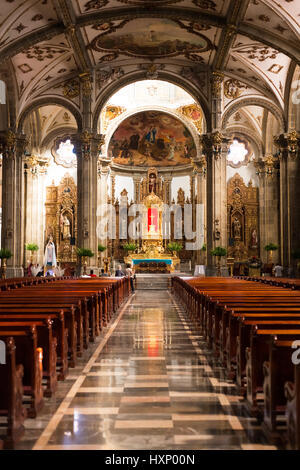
[60, 331]
[28, 355]
[45, 342]
[256, 355]
[11, 395]
[292, 394]
[277, 370]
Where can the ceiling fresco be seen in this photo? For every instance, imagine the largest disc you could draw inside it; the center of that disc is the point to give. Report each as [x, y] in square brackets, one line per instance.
[152, 138]
[154, 38]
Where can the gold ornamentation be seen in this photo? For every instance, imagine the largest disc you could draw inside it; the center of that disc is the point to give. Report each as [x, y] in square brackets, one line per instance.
[71, 89]
[152, 70]
[261, 53]
[86, 83]
[212, 143]
[95, 5]
[233, 88]
[242, 218]
[267, 166]
[194, 113]
[288, 143]
[217, 80]
[275, 68]
[205, 4]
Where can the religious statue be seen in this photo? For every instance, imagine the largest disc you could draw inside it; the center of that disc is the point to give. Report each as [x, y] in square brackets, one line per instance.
[254, 239]
[152, 183]
[236, 228]
[50, 256]
[65, 228]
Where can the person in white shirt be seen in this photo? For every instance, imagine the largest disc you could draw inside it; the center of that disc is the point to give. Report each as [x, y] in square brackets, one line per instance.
[130, 274]
[278, 270]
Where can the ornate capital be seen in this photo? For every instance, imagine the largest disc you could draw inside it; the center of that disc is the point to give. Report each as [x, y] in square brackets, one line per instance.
[8, 144]
[267, 166]
[216, 83]
[199, 166]
[288, 144]
[12, 144]
[86, 83]
[214, 144]
[87, 144]
[37, 165]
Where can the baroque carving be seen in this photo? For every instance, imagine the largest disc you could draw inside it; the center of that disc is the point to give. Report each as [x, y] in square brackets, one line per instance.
[243, 219]
[152, 70]
[233, 88]
[260, 53]
[194, 113]
[95, 5]
[71, 89]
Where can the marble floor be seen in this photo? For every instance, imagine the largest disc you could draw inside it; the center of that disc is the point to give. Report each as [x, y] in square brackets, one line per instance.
[147, 383]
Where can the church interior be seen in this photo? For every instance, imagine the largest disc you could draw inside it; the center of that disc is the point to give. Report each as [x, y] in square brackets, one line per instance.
[150, 225]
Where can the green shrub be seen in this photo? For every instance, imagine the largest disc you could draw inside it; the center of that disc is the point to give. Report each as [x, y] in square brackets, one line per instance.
[174, 246]
[129, 246]
[81, 252]
[101, 248]
[32, 247]
[219, 251]
[271, 247]
[4, 253]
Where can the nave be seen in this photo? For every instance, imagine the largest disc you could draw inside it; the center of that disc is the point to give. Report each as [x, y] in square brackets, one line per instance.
[148, 382]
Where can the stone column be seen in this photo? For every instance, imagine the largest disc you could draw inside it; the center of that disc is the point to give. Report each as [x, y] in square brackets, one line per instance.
[168, 185]
[215, 148]
[288, 145]
[102, 198]
[216, 99]
[200, 199]
[87, 147]
[12, 148]
[34, 223]
[268, 172]
[136, 188]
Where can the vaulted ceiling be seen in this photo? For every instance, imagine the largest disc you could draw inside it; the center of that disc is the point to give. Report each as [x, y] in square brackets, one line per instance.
[47, 44]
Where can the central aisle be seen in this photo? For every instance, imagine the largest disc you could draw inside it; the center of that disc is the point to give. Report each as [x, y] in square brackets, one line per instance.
[151, 386]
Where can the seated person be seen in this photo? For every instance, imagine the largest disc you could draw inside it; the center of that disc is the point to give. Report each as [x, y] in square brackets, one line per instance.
[103, 273]
[278, 270]
[92, 273]
[119, 272]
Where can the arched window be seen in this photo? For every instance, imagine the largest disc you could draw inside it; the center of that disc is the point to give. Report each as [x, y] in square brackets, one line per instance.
[237, 153]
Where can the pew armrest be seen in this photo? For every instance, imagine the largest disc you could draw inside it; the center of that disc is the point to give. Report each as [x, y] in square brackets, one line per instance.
[289, 391]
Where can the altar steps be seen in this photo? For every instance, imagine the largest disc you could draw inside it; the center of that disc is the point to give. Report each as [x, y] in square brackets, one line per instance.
[153, 281]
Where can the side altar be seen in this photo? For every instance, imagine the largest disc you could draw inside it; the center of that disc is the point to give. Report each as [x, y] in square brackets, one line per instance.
[151, 256]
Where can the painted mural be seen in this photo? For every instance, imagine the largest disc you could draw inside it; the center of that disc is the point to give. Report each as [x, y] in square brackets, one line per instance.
[152, 138]
[159, 38]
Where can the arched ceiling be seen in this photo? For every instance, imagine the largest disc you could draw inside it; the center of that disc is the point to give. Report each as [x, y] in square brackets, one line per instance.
[48, 43]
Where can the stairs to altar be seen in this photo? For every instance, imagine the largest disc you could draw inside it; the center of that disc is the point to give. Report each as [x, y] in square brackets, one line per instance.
[153, 281]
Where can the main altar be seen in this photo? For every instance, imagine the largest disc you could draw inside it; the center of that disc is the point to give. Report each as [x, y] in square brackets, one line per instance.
[152, 256]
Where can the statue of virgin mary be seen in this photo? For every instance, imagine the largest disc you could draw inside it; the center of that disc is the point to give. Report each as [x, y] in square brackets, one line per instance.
[50, 257]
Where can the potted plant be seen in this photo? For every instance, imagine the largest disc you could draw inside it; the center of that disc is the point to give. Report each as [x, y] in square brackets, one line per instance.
[174, 247]
[129, 247]
[219, 252]
[4, 256]
[101, 249]
[84, 253]
[270, 247]
[32, 247]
